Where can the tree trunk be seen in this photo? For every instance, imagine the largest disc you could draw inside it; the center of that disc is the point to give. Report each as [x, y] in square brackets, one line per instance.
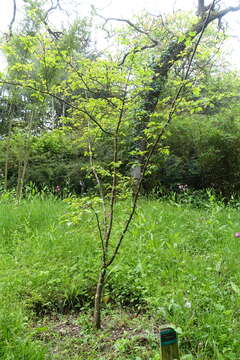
[98, 298]
[22, 177]
[20, 166]
[24, 161]
[6, 170]
[161, 68]
[7, 155]
[200, 9]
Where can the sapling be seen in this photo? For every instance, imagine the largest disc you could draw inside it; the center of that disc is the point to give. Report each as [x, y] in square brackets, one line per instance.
[108, 99]
[107, 259]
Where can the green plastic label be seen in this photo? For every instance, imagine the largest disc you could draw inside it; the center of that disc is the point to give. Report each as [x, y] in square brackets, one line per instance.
[168, 336]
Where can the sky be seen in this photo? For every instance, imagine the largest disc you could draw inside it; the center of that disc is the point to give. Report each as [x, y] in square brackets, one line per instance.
[113, 8]
[126, 9]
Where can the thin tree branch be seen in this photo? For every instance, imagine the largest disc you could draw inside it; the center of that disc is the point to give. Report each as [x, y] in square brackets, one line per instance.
[94, 93]
[115, 159]
[214, 15]
[130, 23]
[101, 238]
[135, 51]
[101, 195]
[139, 30]
[114, 183]
[53, 7]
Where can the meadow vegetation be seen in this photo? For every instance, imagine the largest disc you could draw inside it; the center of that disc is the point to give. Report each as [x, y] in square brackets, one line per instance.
[179, 264]
[155, 113]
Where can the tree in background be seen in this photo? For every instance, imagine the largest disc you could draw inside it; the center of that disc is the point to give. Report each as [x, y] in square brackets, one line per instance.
[36, 53]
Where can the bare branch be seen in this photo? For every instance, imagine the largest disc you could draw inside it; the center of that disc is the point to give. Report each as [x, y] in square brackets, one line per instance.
[53, 7]
[130, 23]
[135, 51]
[138, 29]
[55, 34]
[222, 13]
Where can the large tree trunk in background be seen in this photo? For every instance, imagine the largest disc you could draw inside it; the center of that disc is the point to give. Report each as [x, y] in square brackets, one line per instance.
[161, 69]
[200, 9]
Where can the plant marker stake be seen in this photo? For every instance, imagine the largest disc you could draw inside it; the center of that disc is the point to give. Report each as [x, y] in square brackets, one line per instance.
[169, 344]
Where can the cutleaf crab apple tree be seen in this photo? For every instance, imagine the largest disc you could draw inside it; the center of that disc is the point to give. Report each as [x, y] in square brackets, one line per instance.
[118, 100]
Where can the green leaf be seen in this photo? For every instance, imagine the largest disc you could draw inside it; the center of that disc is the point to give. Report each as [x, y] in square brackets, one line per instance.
[235, 288]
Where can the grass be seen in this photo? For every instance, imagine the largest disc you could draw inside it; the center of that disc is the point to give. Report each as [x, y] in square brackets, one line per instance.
[179, 264]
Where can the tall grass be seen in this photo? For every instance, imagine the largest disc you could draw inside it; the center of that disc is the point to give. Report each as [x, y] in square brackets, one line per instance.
[179, 263]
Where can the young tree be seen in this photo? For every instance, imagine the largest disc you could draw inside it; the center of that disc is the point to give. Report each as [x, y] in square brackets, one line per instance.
[109, 98]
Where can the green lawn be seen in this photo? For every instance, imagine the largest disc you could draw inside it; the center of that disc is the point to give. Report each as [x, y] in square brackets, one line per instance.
[179, 264]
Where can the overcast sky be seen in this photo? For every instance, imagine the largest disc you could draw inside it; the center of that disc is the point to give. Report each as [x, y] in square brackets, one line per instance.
[126, 9]
[112, 7]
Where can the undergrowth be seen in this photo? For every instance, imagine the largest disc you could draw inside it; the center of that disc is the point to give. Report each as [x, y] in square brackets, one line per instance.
[179, 264]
